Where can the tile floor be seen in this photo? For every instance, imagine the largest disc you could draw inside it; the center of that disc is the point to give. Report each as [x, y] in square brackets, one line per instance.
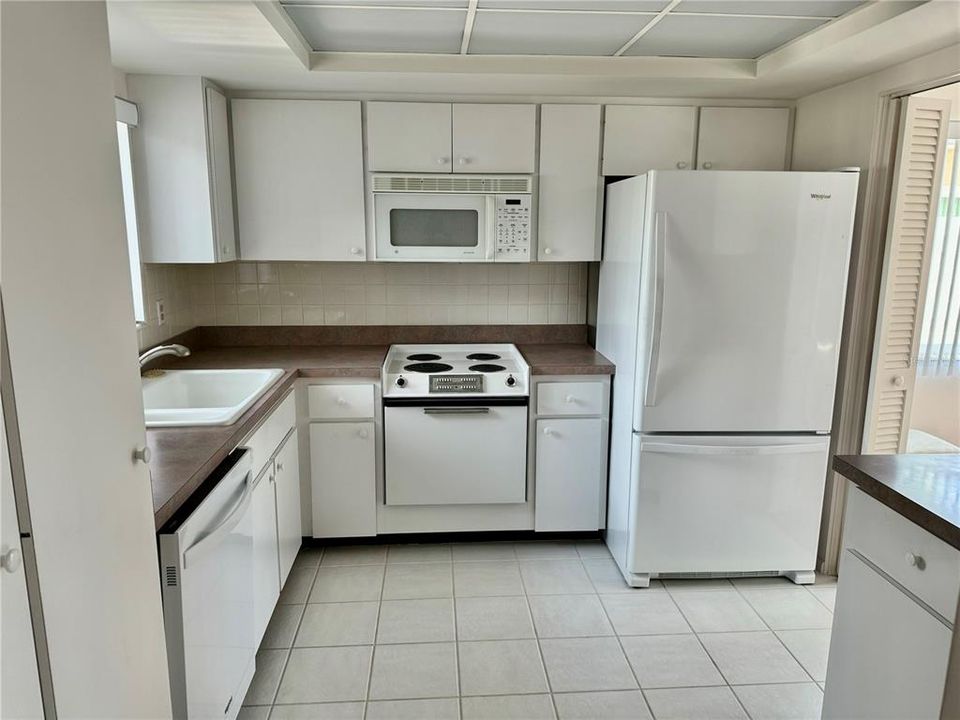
[532, 630]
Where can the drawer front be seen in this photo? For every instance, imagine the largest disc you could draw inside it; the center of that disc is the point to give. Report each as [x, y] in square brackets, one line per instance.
[922, 563]
[570, 398]
[340, 401]
[267, 438]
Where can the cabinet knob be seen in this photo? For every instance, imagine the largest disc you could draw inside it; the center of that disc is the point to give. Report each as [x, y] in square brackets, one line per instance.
[341, 402]
[272, 478]
[549, 431]
[681, 165]
[569, 399]
[707, 165]
[916, 561]
[355, 251]
[898, 381]
[362, 434]
[142, 455]
[279, 466]
[443, 161]
[11, 560]
[463, 160]
[547, 251]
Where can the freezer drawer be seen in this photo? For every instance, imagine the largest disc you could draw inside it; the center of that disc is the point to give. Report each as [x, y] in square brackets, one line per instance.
[455, 455]
[726, 504]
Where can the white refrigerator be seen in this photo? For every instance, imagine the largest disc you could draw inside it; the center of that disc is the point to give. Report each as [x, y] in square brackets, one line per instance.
[721, 304]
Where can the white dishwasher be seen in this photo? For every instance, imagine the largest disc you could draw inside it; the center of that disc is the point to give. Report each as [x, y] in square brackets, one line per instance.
[207, 576]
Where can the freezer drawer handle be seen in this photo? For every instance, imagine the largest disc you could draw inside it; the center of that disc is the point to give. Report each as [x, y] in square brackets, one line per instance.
[456, 411]
[659, 259]
[196, 551]
[680, 449]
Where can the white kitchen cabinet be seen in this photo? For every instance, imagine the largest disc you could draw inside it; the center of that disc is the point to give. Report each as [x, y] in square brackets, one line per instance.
[409, 137]
[568, 439]
[490, 138]
[181, 162]
[343, 479]
[571, 188]
[287, 484]
[569, 488]
[266, 571]
[638, 138]
[743, 138]
[299, 179]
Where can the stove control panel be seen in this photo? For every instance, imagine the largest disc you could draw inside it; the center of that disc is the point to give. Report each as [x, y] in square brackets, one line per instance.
[513, 228]
[456, 383]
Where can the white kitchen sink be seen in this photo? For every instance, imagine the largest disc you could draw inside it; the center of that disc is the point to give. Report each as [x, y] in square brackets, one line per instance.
[203, 397]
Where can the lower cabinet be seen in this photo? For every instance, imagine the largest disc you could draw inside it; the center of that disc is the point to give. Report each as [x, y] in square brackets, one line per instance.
[343, 478]
[287, 483]
[568, 484]
[266, 578]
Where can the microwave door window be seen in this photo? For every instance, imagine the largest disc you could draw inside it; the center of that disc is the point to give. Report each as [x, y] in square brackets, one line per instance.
[432, 228]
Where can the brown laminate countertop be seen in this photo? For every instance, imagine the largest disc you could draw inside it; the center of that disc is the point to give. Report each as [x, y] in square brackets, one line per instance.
[183, 457]
[925, 489]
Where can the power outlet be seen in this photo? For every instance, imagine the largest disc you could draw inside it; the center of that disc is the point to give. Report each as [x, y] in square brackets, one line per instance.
[161, 313]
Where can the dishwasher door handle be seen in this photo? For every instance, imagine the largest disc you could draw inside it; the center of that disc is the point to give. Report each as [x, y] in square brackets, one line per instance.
[456, 411]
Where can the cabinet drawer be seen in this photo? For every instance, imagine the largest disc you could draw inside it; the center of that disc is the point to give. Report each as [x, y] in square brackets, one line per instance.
[570, 398]
[267, 438]
[340, 401]
[922, 563]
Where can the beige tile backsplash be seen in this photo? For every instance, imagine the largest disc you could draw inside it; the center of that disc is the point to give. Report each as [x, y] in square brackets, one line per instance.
[331, 293]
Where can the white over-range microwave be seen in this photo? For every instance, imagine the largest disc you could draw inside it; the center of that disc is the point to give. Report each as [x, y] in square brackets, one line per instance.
[453, 218]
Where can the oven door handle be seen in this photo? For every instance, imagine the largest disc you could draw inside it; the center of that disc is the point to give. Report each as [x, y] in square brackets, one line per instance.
[456, 411]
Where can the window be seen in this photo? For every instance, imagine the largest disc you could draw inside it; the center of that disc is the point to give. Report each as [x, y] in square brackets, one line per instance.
[127, 116]
[940, 332]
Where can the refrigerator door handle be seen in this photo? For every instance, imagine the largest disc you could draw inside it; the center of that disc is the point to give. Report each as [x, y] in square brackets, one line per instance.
[659, 252]
[684, 449]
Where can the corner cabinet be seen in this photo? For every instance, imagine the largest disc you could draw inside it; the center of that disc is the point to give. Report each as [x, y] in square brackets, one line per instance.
[181, 161]
[571, 189]
[569, 435]
[299, 177]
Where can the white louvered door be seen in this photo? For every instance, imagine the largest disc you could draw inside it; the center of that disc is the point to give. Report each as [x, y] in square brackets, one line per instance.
[923, 132]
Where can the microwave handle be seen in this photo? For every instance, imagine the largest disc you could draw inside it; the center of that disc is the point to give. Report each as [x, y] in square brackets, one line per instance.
[490, 222]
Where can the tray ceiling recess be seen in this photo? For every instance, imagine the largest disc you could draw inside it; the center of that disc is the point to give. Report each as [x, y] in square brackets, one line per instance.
[735, 29]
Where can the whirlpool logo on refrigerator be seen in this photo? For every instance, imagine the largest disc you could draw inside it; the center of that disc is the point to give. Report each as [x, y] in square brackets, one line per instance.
[821, 196]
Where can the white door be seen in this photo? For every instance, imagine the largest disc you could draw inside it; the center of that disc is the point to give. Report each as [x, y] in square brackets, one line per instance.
[923, 134]
[732, 138]
[726, 503]
[409, 137]
[747, 273]
[638, 138]
[569, 477]
[218, 152]
[266, 567]
[571, 189]
[494, 138]
[289, 533]
[888, 655]
[343, 479]
[75, 373]
[299, 173]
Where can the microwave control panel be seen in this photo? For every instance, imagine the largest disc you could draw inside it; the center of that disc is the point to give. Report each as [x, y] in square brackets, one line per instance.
[513, 228]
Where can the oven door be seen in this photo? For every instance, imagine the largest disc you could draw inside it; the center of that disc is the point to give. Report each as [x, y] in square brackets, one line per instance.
[425, 227]
[448, 452]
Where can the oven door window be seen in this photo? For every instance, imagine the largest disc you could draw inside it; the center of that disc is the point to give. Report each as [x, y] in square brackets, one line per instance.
[434, 227]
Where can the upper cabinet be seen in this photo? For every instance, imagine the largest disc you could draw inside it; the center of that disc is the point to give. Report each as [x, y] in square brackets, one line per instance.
[461, 138]
[570, 184]
[299, 177]
[181, 165]
[737, 138]
[638, 138]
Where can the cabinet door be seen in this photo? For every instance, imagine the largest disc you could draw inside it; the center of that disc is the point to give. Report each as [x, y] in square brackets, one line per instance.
[343, 477]
[221, 186]
[743, 138]
[568, 228]
[494, 138]
[888, 655]
[637, 138]
[299, 173]
[409, 137]
[289, 532]
[569, 474]
[266, 569]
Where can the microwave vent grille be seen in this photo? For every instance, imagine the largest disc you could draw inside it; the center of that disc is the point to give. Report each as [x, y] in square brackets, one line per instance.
[451, 184]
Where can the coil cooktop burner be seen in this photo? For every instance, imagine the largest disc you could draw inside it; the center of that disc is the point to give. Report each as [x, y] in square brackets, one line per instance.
[487, 367]
[424, 357]
[428, 367]
[483, 356]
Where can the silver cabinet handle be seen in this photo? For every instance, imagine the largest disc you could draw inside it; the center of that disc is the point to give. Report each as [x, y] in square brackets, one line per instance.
[279, 467]
[456, 411]
[11, 560]
[142, 455]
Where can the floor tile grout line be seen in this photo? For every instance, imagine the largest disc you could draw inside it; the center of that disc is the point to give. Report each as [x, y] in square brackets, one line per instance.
[456, 636]
[626, 657]
[289, 651]
[543, 662]
[373, 650]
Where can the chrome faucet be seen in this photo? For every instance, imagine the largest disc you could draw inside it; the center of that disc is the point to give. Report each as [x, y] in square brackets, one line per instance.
[161, 350]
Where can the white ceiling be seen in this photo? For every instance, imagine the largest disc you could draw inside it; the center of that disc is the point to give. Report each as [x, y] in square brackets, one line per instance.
[670, 48]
